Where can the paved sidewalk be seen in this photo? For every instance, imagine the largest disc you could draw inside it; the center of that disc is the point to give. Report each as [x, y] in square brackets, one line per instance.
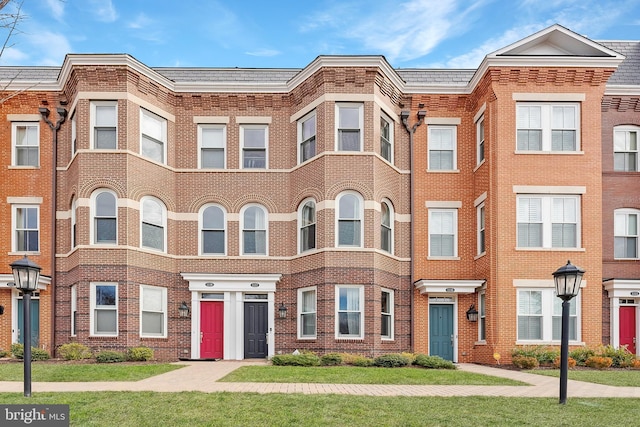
[202, 376]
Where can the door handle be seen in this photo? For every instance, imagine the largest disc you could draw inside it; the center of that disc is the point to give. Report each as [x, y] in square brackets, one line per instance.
[201, 337]
[451, 339]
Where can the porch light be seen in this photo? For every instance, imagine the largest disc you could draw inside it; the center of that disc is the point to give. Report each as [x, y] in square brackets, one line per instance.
[184, 309]
[567, 279]
[472, 314]
[282, 310]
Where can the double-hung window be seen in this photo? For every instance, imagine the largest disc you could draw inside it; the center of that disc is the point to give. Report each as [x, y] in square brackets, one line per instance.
[254, 141]
[153, 130]
[625, 148]
[213, 226]
[443, 232]
[213, 141]
[386, 227]
[386, 138]
[153, 311]
[104, 309]
[548, 221]
[480, 140]
[481, 218]
[442, 148]
[349, 117]
[104, 122]
[153, 226]
[307, 313]
[26, 228]
[482, 317]
[254, 230]
[386, 314]
[105, 223]
[26, 143]
[548, 126]
[349, 311]
[349, 218]
[74, 310]
[307, 225]
[307, 137]
[626, 233]
[540, 316]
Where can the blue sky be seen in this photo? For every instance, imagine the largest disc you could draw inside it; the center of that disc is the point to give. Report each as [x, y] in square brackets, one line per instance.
[290, 34]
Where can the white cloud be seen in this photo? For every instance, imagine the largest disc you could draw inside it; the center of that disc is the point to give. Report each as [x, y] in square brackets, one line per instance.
[104, 10]
[142, 21]
[57, 8]
[48, 47]
[13, 56]
[264, 52]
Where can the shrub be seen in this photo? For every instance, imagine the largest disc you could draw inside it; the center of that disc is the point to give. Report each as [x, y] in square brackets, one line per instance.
[140, 354]
[109, 356]
[620, 357]
[525, 362]
[411, 357]
[74, 351]
[581, 354]
[392, 360]
[331, 359]
[362, 362]
[571, 362]
[635, 364]
[36, 353]
[303, 359]
[4, 353]
[544, 355]
[433, 362]
[599, 362]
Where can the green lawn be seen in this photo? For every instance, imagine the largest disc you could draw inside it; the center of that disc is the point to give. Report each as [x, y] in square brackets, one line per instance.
[68, 372]
[357, 375]
[620, 378]
[250, 409]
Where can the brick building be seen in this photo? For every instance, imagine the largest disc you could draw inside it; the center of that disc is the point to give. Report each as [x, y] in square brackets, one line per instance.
[346, 206]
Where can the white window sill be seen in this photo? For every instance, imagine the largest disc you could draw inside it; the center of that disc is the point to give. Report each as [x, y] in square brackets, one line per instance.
[562, 153]
[520, 248]
[443, 258]
[541, 342]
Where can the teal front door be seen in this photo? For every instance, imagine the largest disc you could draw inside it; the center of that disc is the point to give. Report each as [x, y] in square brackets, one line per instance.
[35, 322]
[441, 331]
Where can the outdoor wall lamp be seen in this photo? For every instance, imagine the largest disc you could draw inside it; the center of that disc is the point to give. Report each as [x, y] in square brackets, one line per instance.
[282, 310]
[184, 309]
[567, 280]
[472, 314]
[1, 309]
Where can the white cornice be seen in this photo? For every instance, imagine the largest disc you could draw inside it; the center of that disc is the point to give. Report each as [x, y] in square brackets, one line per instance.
[622, 90]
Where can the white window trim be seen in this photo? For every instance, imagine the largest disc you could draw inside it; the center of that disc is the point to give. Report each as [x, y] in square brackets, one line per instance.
[74, 134]
[202, 126]
[361, 311]
[93, 207]
[391, 314]
[391, 123]
[546, 118]
[74, 309]
[266, 229]
[164, 311]
[14, 146]
[392, 220]
[301, 291]
[14, 216]
[480, 228]
[455, 233]
[201, 225]
[74, 223]
[626, 212]
[548, 295]
[93, 116]
[627, 128]
[164, 224]
[547, 213]
[163, 123]
[481, 141]
[454, 128]
[482, 317]
[265, 128]
[300, 135]
[300, 209]
[93, 308]
[360, 217]
[360, 124]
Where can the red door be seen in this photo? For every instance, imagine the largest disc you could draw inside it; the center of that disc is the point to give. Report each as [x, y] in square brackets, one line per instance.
[628, 328]
[211, 329]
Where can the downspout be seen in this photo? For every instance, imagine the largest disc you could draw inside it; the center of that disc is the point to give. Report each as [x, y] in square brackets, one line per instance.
[62, 115]
[404, 115]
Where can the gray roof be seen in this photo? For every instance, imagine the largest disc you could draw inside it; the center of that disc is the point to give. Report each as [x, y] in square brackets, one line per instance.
[628, 73]
[436, 77]
[35, 74]
[227, 75]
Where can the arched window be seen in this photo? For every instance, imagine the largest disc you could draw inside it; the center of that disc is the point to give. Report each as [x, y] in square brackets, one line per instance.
[626, 233]
[349, 218]
[213, 230]
[154, 221]
[74, 207]
[105, 221]
[307, 225]
[386, 226]
[254, 230]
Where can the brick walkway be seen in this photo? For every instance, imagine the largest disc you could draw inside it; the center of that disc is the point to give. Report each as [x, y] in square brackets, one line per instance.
[202, 376]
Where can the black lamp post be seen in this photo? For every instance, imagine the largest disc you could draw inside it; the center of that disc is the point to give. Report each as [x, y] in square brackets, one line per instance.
[26, 275]
[567, 279]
